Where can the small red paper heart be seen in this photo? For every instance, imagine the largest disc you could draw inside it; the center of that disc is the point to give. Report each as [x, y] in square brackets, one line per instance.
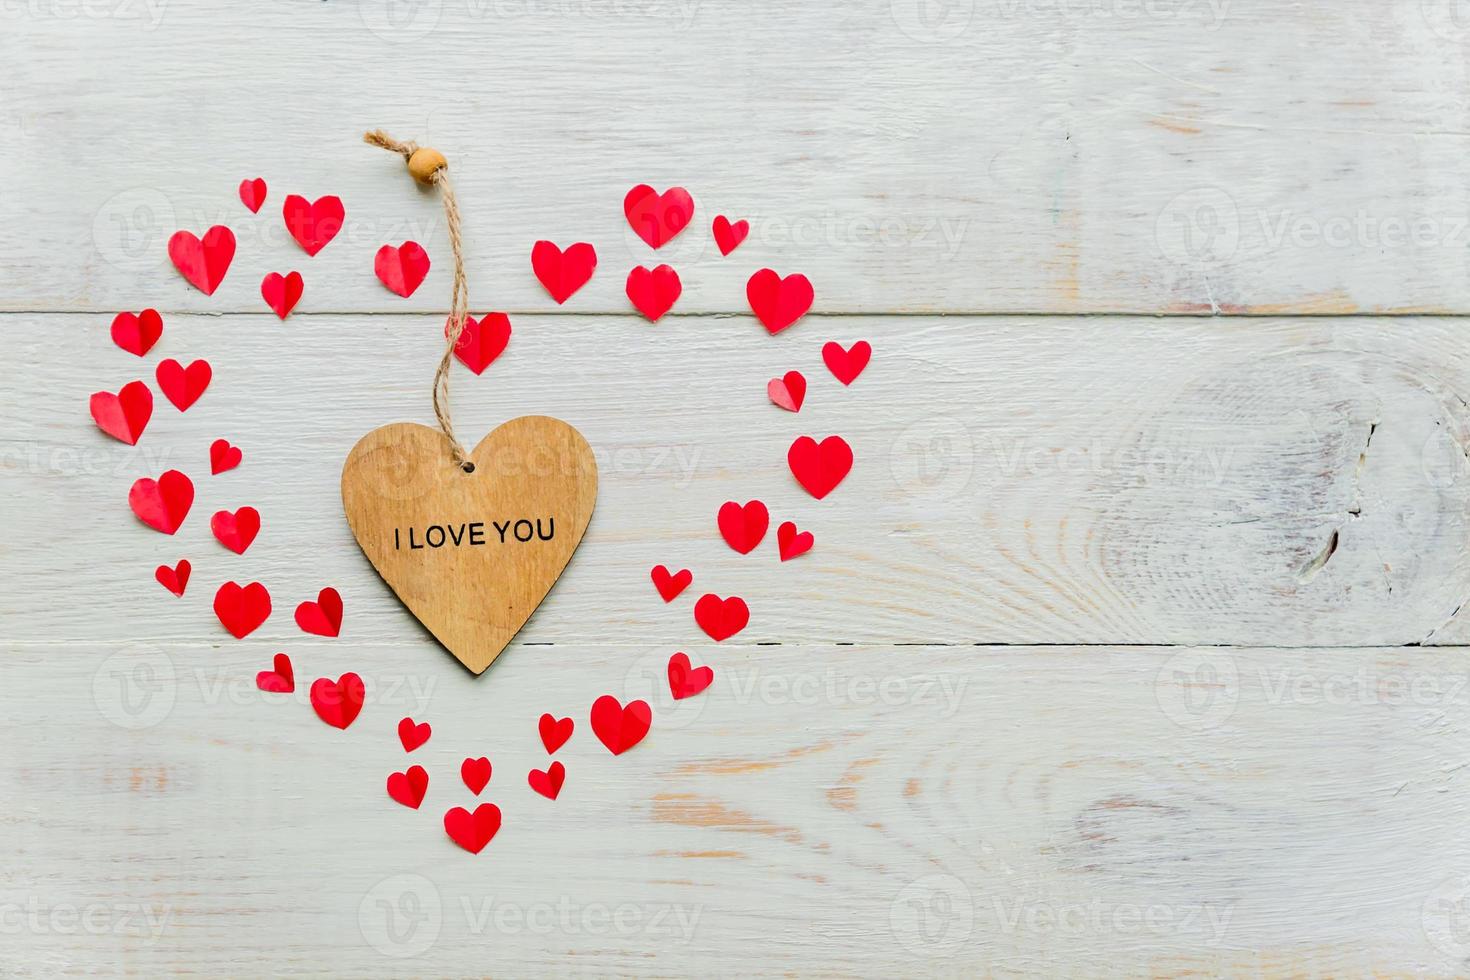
[162, 504]
[242, 610]
[819, 467]
[548, 783]
[653, 291]
[402, 269]
[323, 617]
[791, 543]
[203, 262]
[338, 702]
[482, 341]
[721, 618]
[181, 385]
[563, 273]
[778, 302]
[686, 681]
[413, 735]
[473, 832]
[280, 680]
[658, 217]
[475, 773]
[554, 732]
[788, 391]
[846, 365]
[743, 527]
[223, 457]
[669, 586]
[313, 224]
[617, 727]
[282, 293]
[409, 787]
[174, 579]
[728, 236]
[137, 334]
[124, 415]
[252, 194]
[236, 531]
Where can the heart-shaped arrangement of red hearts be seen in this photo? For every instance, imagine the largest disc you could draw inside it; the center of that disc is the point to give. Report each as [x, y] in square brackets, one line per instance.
[164, 503]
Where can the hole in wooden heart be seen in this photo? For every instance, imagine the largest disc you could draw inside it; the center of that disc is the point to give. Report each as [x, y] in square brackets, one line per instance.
[468, 466]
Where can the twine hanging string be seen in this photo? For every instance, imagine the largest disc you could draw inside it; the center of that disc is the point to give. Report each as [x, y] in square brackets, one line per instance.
[428, 166]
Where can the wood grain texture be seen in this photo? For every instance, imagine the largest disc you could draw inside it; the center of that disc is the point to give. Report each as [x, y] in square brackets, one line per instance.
[1197, 156]
[507, 524]
[1018, 480]
[836, 810]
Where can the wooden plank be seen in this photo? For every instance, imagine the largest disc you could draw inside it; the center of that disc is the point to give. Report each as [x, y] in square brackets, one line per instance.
[1171, 156]
[854, 810]
[1290, 482]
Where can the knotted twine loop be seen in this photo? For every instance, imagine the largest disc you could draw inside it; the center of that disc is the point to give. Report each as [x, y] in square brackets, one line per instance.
[429, 167]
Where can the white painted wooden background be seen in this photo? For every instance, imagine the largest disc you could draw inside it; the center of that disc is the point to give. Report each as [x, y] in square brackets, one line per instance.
[1130, 647]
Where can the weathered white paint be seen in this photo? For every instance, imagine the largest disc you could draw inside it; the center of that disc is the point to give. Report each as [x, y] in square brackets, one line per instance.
[1110, 689]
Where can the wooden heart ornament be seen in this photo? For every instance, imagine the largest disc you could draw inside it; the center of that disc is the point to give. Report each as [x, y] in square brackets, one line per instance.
[471, 554]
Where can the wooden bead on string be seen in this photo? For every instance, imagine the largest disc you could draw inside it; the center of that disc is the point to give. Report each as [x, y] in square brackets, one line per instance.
[426, 162]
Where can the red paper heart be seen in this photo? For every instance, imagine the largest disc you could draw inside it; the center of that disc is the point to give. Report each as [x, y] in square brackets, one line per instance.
[778, 302]
[413, 735]
[554, 732]
[313, 224]
[162, 504]
[686, 681]
[846, 365]
[721, 618]
[124, 415]
[137, 334]
[252, 194]
[323, 617]
[482, 341]
[223, 457]
[548, 783]
[402, 269]
[475, 773]
[242, 610]
[409, 787]
[743, 527]
[563, 273]
[236, 531]
[181, 385]
[728, 236]
[203, 263]
[788, 391]
[819, 467]
[280, 680]
[658, 217]
[653, 291]
[338, 702]
[669, 586]
[282, 293]
[617, 727]
[473, 832]
[791, 543]
[174, 579]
